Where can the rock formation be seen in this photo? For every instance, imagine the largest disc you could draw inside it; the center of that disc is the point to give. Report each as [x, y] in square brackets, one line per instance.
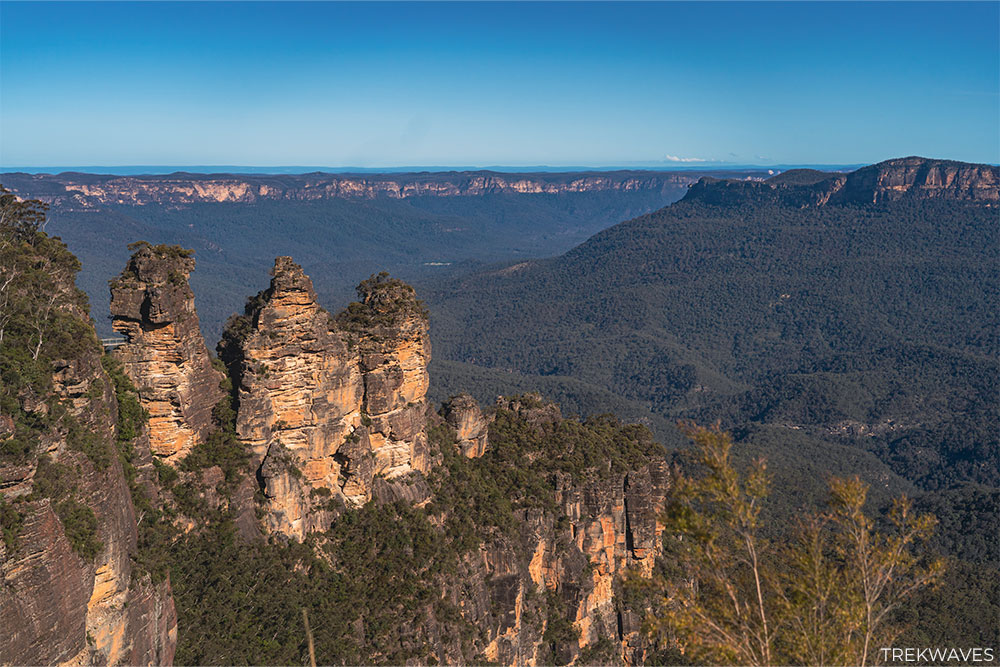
[327, 405]
[389, 327]
[69, 590]
[560, 566]
[164, 353]
[462, 413]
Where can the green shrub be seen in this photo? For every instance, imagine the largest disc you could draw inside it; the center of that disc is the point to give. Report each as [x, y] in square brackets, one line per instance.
[10, 524]
[80, 526]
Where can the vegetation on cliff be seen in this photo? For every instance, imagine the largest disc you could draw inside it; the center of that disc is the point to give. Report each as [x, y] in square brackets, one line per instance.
[42, 320]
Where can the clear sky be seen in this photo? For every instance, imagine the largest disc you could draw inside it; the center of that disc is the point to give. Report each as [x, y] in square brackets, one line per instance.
[386, 84]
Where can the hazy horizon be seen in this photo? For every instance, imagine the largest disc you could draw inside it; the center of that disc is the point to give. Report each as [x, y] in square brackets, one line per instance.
[292, 170]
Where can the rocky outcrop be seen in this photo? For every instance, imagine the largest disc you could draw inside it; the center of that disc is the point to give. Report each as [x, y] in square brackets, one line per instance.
[325, 406]
[892, 180]
[462, 413]
[389, 327]
[920, 178]
[164, 354]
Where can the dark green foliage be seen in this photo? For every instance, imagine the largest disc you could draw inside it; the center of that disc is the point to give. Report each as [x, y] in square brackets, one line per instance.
[166, 475]
[42, 319]
[560, 630]
[518, 469]
[10, 524]
[52, 480]
[21, 219]
[466, 491]
[241, 603]
[95, 446]
[163, 250]
[763, 313]
[80, 525]
[385, 303]
[221, 448]
[602, 652]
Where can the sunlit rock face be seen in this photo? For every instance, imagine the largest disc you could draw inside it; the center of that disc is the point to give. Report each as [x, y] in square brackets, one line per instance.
[327, 405]
[564, 563]
[921, 178]
[462, 413]
[92, 191]
[152, 306]
[909, 178]
[389, 327]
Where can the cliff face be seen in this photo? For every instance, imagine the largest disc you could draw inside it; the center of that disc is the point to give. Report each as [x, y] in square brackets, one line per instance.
[152, 306]
[553, 587]
[892, 180]
[921, 178]
[331, 412]
[462, 413]
[69, 592]
[88, 191]
[325, 407]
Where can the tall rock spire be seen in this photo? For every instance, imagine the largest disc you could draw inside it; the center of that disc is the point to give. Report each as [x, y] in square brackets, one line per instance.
[164, 353]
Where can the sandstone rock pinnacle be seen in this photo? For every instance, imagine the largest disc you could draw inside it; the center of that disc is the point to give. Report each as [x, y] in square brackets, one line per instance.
[164, 353]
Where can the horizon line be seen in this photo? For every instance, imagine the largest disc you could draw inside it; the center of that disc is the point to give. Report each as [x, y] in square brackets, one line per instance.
[288, 170]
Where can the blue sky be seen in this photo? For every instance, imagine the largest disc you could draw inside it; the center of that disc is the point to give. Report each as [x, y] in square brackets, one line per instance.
[386, 84]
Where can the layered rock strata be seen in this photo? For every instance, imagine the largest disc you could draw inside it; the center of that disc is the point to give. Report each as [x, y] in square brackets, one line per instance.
[564, 565]
[90, 190]
[907, 178]
[60, 604]
[389, 327]
[462, 413]
[327, 405]
[164, 354]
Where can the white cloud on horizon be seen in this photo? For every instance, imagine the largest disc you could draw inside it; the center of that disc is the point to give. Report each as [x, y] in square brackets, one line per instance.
[674, 158]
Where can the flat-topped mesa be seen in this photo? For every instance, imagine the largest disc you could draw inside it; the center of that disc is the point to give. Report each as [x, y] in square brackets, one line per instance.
[389, 326]
[299, 392]
[164, 354]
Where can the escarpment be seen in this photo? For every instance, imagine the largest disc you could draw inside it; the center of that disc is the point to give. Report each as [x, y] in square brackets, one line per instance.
[90, 190]
[909, 178]
[70, 590]
[164, 354]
